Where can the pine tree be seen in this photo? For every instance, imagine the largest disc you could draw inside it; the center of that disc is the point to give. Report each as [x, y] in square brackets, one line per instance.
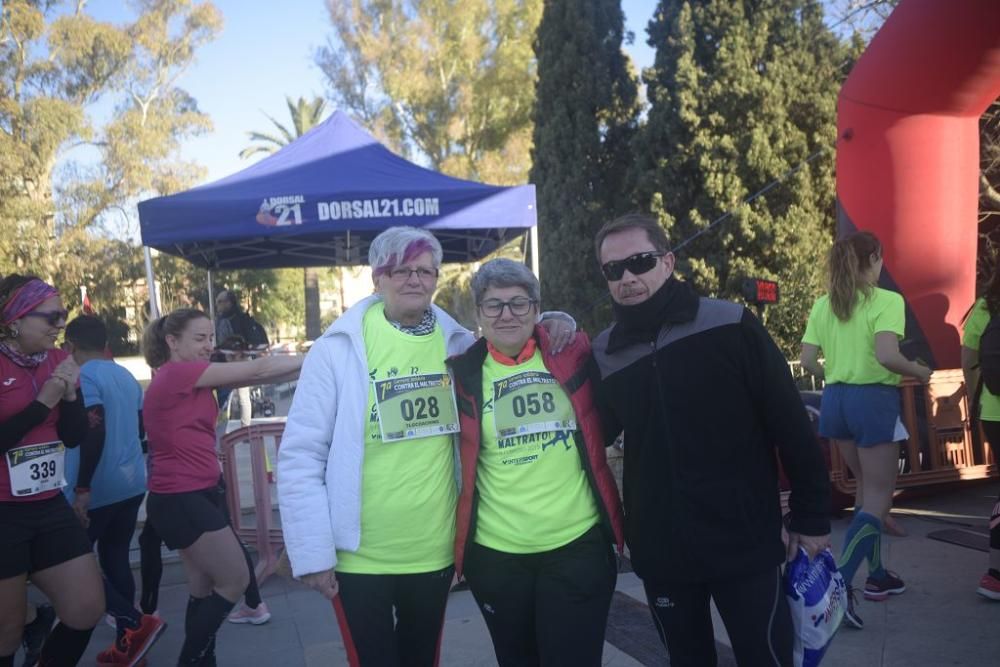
[741, 92]
[585, 118]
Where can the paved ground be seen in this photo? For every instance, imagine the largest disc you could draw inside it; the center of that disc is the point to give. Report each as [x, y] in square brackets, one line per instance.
[938, 621]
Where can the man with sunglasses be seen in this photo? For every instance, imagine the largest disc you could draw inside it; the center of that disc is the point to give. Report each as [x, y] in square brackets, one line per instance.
[705, 400]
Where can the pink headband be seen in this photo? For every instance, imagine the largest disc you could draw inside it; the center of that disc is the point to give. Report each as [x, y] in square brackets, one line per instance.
[417, 247]
[26, 298]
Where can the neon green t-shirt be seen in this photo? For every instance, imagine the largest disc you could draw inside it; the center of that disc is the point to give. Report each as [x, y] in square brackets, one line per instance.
[533, 491]
[849, 346]
[974, 327]
[408, 490]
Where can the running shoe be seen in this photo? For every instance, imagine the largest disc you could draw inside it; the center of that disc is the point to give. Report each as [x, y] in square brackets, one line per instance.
[36, 632]
[989, 587]
[851, 618]
[111, 621]
[135, 643]
[245, 614]
[878, 590]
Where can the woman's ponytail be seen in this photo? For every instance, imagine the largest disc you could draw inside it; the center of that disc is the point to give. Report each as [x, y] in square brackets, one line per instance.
[849, 258]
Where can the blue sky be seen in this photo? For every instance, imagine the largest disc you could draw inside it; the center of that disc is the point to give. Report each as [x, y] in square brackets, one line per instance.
[265, 52]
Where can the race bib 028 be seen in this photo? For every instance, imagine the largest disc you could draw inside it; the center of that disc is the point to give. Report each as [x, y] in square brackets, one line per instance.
[416, 406]
[36, 468]
[530, 402]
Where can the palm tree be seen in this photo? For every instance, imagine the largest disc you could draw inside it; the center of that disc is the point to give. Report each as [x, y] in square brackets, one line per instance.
[305, 115]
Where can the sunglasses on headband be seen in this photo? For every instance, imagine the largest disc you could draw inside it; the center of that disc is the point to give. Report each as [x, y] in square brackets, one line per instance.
[52, 318]
[636, 264]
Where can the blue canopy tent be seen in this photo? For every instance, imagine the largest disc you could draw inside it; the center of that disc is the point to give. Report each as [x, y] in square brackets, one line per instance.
[320, 201]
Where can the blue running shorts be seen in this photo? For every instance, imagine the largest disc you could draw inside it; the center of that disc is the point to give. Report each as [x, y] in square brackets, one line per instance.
[868, 414]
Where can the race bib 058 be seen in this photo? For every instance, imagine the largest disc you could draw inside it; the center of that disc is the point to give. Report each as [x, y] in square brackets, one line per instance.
[530, 402]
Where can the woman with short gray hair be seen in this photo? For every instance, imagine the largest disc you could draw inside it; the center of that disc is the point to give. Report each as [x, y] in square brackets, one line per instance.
[502, 272]
[539, 509]
[366, 469]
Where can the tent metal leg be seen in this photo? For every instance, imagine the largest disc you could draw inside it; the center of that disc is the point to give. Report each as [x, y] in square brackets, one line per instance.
[211, 300]
[534, 252]
[154, 297]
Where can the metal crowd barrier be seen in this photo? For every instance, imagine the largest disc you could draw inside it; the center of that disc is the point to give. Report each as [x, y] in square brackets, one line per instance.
[262, 533]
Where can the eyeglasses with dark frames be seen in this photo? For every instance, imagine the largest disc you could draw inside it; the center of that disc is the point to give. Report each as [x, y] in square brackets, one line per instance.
[637, 264]
[519, 305]
[402, 274]
[52, 317]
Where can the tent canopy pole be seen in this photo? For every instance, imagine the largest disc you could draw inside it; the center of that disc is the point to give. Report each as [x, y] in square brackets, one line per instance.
[534, 251]
[211, 300]
[154, 297]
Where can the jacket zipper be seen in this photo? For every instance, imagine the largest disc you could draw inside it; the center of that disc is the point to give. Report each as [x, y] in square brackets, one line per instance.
[674, 485]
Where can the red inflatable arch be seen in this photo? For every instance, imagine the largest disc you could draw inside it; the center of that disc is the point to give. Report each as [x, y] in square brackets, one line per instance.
[908, 158]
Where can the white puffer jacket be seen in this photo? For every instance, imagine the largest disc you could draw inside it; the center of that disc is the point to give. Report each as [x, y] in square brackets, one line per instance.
[322, 449]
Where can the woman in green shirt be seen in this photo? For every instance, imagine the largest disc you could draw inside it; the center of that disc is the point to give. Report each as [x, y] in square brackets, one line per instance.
[858, 325]
[983, 311]
[539, 508]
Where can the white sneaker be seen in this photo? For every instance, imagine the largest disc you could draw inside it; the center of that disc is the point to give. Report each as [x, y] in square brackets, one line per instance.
[245, 614]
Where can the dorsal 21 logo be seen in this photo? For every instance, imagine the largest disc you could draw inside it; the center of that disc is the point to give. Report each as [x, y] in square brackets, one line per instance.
[281, 211]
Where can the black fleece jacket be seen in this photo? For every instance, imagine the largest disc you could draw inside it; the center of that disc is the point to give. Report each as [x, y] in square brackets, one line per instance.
[705, 399]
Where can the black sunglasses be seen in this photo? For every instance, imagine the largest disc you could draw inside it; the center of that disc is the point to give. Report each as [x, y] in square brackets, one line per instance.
[636, 264]
[53, 317]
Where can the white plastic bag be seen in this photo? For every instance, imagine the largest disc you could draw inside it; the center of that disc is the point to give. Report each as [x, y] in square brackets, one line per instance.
[817, 597]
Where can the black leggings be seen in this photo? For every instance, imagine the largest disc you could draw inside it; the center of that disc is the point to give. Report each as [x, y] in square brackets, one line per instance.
[151, 567]
[392, 620]
[753, 608]
[111, 527]
[546, 608]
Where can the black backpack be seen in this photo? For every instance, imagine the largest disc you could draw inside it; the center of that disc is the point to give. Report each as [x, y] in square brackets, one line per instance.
[989, 355]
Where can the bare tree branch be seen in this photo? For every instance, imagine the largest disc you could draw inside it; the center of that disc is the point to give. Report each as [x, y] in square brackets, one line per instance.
[988, 191]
